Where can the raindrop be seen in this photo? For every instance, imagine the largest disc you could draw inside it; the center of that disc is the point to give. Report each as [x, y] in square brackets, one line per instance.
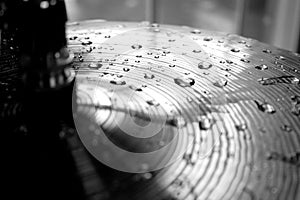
[296, 105]
[89, 50]
[229, 61]
[296, 99]
[126, 69]
[267, 51]
[149, 76]
[245, 60]
[220, 83]
[171, 65]
[196, 51]
[273, 155]
[156, 56]
[95, 66]
[189, 99]
[235, 50]
[261, 67]
[136, 46]
[207, 39]
[135, 88]
[44, 4]
[184, 82]
[280, 57]
[73, 38]
[155, 25]
[267, 81]
[147, 176]
[204, 65]
[286, 128]
[265, 107]
[161, 143]
[205, 122]
[177, 121]
[87, 43]
[196, 31]
[294, 80]
[152, 102]
[118, 82]
[241, 127]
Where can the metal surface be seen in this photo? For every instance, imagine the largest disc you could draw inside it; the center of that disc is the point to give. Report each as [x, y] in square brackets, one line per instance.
[235, 99]
[238, 98]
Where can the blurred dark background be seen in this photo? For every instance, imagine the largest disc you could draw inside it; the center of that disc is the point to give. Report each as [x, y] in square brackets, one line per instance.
[276, 22]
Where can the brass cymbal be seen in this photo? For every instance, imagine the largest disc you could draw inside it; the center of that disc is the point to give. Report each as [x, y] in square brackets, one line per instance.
[234, 101]
[176, 112]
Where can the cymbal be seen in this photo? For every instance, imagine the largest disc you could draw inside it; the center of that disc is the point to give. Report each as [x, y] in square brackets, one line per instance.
[193, 114]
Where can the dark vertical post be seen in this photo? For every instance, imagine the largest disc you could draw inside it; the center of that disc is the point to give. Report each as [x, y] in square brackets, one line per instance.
[151, 11]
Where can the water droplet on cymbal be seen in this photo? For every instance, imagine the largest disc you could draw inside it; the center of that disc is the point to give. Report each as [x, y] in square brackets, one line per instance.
[184, 82]
[149, 76]
[136, 46]
[221, 83]
[261, 67]
[196, 31]
[265, 107]
[118, 82]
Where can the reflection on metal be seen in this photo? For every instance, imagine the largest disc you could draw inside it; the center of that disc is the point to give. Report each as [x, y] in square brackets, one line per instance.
[243, 120]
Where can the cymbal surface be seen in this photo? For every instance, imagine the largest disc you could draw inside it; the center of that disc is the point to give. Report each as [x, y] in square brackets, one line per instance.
[231, 104]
